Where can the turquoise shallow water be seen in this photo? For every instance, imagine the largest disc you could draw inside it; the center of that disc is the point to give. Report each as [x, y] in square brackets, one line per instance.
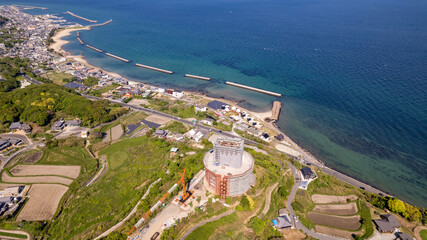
[353, 74]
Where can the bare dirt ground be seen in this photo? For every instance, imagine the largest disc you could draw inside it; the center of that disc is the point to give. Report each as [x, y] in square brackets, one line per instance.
[42, 179]
[325, 199]
[107, 136]
[348, 223]
[336, 232]
[31, 170]
[337, 209]
[138, 102]
[33, 158]
[157, 119]
[293, 234]
[43, 202]
[116, 132]
[6, 185]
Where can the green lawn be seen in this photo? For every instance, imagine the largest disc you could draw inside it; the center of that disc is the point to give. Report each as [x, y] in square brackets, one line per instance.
[177, 127]
[15, 235]
[131, 162]
[99, 92]
[57, 77]
[180, 109]
[423, 234]
[205, 231]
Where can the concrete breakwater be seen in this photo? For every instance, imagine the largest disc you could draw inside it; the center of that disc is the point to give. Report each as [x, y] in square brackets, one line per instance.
[117, 57]
[197, 77]
[154, 68]
[101, 24]
[80, 41]
[253, 89]
[80, 17]
[94, 48]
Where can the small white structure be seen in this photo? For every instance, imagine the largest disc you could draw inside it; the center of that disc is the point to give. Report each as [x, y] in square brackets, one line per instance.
[84, 134]
[178, 94]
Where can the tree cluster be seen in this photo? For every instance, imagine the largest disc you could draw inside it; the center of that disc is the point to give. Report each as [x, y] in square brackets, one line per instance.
[412, 213]
[40, 104]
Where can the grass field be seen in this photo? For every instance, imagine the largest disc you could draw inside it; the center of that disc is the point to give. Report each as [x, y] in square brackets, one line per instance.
[131, 162]
[205, 231]
[176, 127]
[423, 234]
[57, 77]
[180, 109]
[15, 235]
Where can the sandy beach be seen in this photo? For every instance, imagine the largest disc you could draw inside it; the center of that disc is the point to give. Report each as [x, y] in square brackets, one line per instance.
[58, 42]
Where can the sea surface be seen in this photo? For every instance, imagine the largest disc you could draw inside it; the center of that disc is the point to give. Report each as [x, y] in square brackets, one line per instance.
[353, 74]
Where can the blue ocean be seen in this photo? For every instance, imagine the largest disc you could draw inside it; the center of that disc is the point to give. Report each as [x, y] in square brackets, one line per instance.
[353, 74]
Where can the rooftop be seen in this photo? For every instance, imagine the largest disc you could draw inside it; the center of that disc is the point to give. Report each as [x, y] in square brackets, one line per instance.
[230, 143]
[210, 163]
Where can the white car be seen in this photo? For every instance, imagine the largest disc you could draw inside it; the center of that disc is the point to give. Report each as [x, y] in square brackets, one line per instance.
[296, 219]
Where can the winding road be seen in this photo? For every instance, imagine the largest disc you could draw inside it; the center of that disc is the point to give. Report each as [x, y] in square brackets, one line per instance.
[113, 228]
[29, 237]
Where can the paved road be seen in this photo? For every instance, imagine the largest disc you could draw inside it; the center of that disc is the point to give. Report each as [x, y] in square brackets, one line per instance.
[268, 199]
[151, 111]
[31, 80]
[17, 232]
[17, 136]
[214, 218]
[298, 224]
[29, 146]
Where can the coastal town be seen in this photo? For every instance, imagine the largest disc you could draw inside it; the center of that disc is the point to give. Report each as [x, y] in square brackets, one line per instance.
[147, 162]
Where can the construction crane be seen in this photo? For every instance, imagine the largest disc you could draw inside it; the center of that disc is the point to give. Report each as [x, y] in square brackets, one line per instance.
[185, 193]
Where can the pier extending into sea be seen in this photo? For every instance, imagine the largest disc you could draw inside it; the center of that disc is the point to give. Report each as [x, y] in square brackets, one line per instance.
[154, 68]
[253, 89]
[197, 77]
[80, 17]
[80, 41]
[275, 111]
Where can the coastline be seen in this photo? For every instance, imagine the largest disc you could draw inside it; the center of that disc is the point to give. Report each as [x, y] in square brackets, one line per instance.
[59, 43]
[305, 156]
